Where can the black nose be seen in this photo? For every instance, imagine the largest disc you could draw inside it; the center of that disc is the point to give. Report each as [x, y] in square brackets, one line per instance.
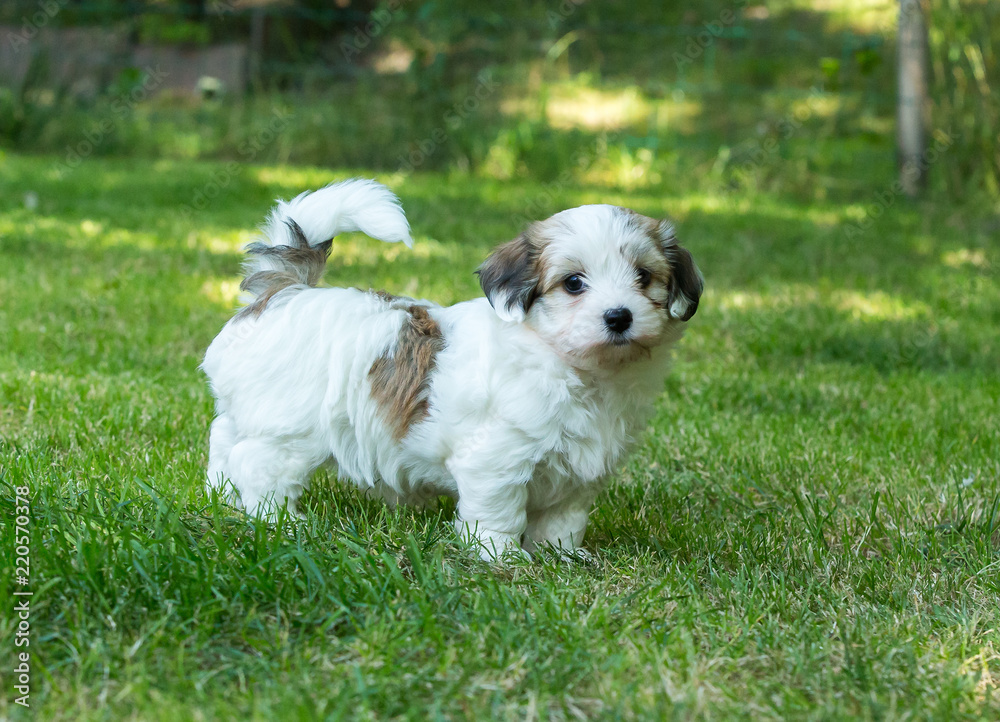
[618, 319]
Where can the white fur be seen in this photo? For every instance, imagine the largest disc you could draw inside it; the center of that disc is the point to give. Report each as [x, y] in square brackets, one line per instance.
[357, 204]
[526, 419]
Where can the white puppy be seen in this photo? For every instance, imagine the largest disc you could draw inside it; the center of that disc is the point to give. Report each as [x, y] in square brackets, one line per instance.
[517, 405]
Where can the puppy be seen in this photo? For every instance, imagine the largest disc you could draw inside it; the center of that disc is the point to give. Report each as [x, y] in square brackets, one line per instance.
[518, 405]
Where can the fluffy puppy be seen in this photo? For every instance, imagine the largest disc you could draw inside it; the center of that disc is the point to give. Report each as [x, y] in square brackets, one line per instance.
[517, 405]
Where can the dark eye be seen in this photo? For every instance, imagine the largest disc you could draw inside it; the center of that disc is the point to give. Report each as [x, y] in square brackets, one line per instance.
[574, 284]
[644, 277]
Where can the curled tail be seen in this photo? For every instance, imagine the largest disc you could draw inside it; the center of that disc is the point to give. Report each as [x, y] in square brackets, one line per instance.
[295, 240]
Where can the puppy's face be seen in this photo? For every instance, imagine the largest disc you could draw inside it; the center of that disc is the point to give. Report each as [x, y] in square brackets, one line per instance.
[600, 284]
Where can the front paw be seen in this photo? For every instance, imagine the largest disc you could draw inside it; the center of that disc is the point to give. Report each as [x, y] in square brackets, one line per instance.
[492, 546]
[509, 553]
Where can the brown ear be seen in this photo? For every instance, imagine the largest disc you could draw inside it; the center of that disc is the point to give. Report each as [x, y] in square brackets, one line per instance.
[686, 282]
[510, 277]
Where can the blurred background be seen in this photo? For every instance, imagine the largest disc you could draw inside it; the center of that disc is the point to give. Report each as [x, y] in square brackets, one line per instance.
[796, 97]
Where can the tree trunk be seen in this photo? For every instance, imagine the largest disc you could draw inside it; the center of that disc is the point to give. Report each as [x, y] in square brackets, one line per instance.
[911, 125]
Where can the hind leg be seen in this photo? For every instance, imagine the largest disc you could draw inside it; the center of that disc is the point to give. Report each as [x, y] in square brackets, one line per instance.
[269, 472]
[221, 441]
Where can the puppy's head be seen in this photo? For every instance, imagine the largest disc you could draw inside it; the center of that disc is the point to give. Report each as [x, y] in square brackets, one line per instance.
[600, 284]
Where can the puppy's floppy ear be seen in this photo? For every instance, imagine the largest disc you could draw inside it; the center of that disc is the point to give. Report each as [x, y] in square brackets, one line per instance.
[510, 277]
[686, 282]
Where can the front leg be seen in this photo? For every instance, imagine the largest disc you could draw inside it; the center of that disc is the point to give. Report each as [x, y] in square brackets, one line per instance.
[492, 517]
[492, 496]
[561, 525]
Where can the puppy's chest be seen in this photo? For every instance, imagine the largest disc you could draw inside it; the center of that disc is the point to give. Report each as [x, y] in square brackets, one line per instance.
[595, 432]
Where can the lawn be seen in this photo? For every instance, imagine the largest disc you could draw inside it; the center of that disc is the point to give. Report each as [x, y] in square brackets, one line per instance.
[810, 528]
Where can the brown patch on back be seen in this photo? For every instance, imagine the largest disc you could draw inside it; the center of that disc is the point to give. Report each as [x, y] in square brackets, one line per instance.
[399, 378]
[276, 281]
[384, 296]
[392, 301]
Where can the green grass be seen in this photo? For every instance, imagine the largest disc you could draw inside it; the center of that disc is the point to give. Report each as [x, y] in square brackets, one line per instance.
[810, 529]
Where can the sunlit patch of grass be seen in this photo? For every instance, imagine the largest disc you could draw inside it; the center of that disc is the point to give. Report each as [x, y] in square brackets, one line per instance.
[859, 306]
[575, 105]
[224, 291]
[879, 306]
[232, 242]
[862, 16]
[725, 202]
[786, 112]
[965, 256]
[985, 664]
